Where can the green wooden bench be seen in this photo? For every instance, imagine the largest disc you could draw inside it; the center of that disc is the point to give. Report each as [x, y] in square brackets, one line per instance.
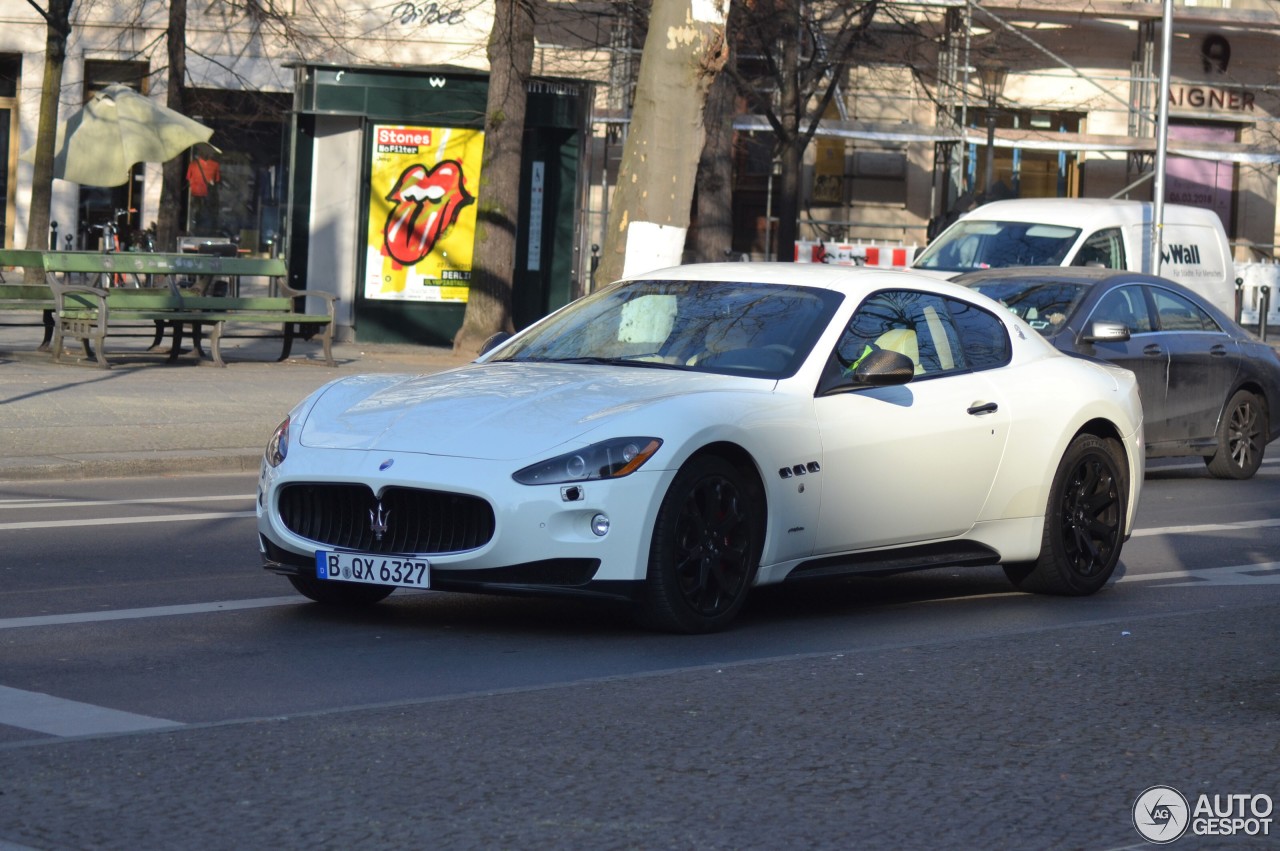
[91, 290]
[86, 314]
[37, 297]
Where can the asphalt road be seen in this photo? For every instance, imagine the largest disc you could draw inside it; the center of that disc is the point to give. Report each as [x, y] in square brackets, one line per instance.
[158, 689]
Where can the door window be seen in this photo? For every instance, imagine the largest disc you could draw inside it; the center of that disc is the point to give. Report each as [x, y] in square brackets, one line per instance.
[1126, 305]
[940, 335]
[915, 324]
[1176, 313]
[1103, 248]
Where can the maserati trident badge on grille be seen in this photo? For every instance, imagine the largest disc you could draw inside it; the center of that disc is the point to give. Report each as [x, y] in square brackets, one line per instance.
[378, 521]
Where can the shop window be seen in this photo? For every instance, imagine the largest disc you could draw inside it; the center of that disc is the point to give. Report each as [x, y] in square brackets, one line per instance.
[10, 69]
[250, 131]
[879, 177]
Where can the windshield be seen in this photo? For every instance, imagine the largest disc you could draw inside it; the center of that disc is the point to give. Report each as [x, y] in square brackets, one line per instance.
[1046, 305]
[992, 245]
[760, 330]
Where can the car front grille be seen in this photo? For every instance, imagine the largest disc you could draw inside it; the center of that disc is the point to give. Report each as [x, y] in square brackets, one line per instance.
[422, 522]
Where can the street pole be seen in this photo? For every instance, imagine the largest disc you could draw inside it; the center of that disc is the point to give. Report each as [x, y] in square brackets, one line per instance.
[1162, 138]
[991, 146]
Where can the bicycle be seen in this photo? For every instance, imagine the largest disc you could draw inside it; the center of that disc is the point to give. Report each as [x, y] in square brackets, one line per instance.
[110, 231]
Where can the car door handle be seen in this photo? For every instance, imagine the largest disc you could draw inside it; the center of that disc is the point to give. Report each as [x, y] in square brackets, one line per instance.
[980, 408]
[1218, 351]
[1152, 349]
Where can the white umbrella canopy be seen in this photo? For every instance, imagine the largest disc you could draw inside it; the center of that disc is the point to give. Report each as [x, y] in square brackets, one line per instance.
[117, 129]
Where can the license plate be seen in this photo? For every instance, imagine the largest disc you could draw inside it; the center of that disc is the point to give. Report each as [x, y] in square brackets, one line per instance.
[403, 571]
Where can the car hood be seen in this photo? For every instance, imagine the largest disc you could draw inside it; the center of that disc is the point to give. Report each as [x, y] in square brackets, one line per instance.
[499, 411]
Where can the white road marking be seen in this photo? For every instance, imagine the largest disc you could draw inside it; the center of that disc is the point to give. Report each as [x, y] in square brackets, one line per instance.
[80, 503]
[150, 612]
[1206, 527]
[123, 521]
[57, 716]
[1265, 573]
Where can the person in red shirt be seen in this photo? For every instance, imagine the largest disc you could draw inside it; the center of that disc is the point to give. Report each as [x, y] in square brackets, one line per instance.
[203, 177]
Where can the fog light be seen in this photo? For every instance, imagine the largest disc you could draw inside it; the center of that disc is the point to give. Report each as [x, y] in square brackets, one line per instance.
[600, 525]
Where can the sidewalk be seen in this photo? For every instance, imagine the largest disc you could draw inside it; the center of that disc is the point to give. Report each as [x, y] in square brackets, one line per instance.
[148, 417]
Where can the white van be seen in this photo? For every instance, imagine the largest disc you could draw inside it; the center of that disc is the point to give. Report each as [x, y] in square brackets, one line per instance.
[1088, 232]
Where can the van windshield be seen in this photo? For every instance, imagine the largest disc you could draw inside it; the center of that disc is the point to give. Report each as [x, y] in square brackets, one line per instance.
[973, 244]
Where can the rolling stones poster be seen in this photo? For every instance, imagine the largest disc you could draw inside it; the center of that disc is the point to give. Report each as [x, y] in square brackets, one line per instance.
[422, 212]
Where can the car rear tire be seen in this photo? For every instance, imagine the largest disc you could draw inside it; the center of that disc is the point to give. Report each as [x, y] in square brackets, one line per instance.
[705, 549]
[1242, 438]
[1083, 525]
[333, 593]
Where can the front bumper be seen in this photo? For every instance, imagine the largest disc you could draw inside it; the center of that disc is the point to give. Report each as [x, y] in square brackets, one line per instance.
[543, 540]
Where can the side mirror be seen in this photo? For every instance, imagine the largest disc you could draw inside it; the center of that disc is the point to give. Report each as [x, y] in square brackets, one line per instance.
[1106, 332]
[495, 341]
[883, 368]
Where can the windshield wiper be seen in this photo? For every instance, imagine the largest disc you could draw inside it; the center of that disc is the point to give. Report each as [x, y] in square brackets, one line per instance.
[613, 362]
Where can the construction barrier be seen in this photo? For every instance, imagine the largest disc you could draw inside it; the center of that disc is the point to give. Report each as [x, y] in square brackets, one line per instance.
[879, 255]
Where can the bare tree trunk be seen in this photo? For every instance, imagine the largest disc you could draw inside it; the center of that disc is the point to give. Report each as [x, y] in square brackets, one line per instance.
[649, 217]
[510, 66]
[790, 146]
[57, 29]
[168, 223]
[712, 239]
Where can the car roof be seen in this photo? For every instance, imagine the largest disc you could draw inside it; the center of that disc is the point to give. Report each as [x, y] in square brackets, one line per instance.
[1064, 274]
[851, 280]
[1085, 213]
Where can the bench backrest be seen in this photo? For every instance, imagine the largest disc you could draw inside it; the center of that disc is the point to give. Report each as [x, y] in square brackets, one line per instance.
[25, 292]
[125, 299]
[143, 263]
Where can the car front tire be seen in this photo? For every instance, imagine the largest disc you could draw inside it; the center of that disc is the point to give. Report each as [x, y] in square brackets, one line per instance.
[1084, 523]
[705, 549]
[331, 593]
[1242, 438]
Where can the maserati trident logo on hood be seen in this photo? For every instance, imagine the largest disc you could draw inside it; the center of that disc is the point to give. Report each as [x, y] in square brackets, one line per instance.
[385, 465]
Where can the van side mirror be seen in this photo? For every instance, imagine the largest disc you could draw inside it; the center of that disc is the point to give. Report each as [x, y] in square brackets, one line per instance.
[1106, 332]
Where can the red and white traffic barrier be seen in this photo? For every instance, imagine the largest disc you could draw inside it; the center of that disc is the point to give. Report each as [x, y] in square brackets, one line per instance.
[878, 255]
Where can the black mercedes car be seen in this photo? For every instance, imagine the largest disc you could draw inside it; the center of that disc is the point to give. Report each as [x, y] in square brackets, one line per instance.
[1208, 386]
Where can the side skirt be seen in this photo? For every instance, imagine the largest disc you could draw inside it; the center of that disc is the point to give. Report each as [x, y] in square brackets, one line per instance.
[900, 560]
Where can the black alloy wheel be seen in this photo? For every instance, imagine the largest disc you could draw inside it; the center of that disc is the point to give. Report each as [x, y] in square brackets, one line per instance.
[705, 549]
[1084, 524]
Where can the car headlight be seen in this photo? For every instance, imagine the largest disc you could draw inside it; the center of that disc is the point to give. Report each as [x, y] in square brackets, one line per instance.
[278, 445]
[609, 459]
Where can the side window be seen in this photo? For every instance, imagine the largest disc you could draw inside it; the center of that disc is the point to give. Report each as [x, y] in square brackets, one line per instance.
[1104, 248]
[1126, 305]
[983, 337]
[915, 324]
[1176, 313]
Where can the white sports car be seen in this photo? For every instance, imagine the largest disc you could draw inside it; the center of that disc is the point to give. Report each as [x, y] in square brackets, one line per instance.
[675, 439]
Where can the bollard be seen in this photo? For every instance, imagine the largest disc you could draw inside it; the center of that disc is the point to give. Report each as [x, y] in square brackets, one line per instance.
[1264, 307]
[1239, 299]
[53, 235]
